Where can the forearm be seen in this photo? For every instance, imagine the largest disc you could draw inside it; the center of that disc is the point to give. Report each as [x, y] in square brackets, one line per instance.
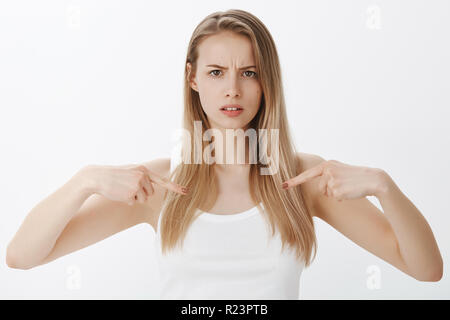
[41, 228]
[416, 242]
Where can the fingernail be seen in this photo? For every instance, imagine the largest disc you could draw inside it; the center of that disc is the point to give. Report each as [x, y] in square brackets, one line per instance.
[185, 190]
[285, 185]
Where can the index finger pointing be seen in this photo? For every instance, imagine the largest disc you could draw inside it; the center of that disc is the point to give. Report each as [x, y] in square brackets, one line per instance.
[304, 176]
[154, 177]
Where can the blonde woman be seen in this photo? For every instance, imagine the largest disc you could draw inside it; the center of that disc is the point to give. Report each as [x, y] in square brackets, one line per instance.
[228, 230]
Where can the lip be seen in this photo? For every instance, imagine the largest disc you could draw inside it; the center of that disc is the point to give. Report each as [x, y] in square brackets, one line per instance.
[231, 106]
[232, 113]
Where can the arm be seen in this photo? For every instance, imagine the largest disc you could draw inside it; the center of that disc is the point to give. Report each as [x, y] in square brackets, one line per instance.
[400, 236]
[416, 242]
[42, 226]
[74, 217]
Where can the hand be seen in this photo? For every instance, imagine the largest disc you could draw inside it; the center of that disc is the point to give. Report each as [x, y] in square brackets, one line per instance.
[342, 181]
[127, 183]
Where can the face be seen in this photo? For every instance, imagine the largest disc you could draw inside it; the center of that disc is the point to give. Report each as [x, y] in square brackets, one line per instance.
[226, 74]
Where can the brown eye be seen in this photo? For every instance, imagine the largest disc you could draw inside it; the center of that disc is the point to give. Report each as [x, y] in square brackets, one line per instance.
[214, 71]
[252, 74]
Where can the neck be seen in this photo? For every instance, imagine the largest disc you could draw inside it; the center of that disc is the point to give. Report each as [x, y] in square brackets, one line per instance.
[234, 151]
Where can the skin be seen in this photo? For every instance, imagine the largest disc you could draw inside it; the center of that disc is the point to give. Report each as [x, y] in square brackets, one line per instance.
[399, 234]
[228, 84]
[76, 215]
[334, 192]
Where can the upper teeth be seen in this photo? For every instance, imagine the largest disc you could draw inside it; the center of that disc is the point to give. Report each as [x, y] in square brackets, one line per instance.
[231, 108]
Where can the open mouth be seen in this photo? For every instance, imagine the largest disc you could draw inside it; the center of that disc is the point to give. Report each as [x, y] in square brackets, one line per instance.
[236, 108]
[232, 111]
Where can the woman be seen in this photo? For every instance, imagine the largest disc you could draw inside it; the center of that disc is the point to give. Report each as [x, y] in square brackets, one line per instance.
[231, 230]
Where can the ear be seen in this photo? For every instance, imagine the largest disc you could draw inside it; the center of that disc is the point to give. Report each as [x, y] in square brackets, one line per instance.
[191, 77]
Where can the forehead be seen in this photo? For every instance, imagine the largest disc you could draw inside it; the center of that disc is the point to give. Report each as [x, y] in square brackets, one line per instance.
[225, 48]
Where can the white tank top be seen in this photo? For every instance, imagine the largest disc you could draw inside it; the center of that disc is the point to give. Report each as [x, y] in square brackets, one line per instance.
[231, 256]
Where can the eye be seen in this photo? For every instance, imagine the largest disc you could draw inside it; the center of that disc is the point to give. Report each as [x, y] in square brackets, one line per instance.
[214, 71]
[252, 73]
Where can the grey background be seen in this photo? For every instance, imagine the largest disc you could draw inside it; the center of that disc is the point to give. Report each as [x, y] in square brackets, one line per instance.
[100, 82]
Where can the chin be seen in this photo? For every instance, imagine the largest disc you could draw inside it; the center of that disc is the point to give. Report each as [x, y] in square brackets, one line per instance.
[233, 124]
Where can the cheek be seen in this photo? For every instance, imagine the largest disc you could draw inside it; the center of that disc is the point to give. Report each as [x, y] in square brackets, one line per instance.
[257, 95]
[208, 96]
[258, 100]
[255, 87]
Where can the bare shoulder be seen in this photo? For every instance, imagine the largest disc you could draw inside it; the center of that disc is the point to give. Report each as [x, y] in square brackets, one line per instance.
[309, 160]
[160, 166]
[310, 188]
[153, 206]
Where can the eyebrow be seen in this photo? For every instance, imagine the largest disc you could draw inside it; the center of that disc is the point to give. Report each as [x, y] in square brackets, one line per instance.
[221, 67]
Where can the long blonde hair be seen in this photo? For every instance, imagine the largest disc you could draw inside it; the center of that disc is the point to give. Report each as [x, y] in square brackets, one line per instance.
[284, 209]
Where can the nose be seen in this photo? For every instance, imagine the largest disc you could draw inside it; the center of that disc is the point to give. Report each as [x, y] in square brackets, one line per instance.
[233, 89]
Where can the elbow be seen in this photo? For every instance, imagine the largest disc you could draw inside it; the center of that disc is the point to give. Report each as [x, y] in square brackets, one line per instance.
[437, 275]
[12, 261]
[434, 276]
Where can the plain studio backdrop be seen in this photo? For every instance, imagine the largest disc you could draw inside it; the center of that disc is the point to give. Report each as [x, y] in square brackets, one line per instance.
[100, 82]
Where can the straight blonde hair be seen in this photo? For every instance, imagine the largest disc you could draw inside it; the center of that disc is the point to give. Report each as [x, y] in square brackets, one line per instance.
[283, 209]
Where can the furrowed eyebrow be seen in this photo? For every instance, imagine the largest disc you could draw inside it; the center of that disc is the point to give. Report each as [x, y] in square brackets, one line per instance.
[221, 67]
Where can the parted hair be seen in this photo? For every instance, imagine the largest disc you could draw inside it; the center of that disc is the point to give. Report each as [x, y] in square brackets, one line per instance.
[285, 210]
